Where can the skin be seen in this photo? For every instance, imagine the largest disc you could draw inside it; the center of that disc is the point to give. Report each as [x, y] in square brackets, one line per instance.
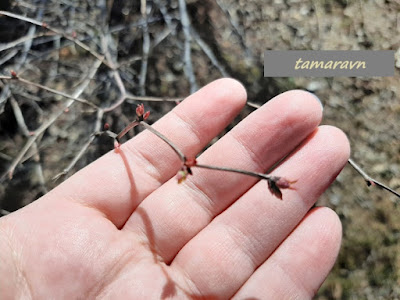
[122, 228]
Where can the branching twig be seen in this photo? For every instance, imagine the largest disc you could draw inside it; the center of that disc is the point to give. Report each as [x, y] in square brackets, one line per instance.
[50, 121]
[25, 131]
[43, 87]
[275, 183]
[59, 32]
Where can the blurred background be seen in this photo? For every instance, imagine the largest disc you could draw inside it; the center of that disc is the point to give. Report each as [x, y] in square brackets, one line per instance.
[167, 49]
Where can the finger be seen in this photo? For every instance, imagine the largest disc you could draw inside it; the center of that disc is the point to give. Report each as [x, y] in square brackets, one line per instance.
[225, 254]
[301, 263]
[178, 212]
[117, 182]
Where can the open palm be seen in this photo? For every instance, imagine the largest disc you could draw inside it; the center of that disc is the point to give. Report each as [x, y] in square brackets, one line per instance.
[122, 228]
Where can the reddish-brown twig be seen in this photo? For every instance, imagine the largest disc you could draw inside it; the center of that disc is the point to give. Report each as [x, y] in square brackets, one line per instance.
[275, 183]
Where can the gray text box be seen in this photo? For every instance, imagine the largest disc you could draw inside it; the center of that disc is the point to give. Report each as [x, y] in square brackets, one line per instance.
[328, 63]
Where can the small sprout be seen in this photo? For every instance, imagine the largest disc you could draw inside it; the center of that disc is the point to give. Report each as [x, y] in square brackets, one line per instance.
[275, 184]
[45, 25]
[140, 110]
[106, 126]
[73, 34]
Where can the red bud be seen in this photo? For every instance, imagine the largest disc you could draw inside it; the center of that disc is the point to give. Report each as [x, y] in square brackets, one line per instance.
[140, 110]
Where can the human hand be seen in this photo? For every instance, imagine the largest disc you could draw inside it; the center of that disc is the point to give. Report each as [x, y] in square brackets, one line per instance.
[122, 228]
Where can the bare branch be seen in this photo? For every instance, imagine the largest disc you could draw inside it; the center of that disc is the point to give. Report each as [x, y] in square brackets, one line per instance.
[187, 46]
[23, 40]
[59, 32]
[165, 139]
[154, 99]
[371, 181]
[84, 148]
[50, 121]
[145, 48]
[226, 169]
[207, 50]
[25, 131]
[43, 87]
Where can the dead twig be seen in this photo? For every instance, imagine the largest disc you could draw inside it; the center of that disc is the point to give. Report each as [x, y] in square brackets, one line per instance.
[49, 122]
[84, 148]
[145, 48]
[187, 56]
[71, 38]
[43, 87]
[207, 50]
[371, 181]
[25, 131]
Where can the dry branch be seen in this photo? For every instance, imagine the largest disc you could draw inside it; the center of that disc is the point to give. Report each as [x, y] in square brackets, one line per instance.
[187, 56]
[50, 121]
[71, 38]
[45, 88]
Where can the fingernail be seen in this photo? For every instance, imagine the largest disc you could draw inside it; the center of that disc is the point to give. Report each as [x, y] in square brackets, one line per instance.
[320, 102]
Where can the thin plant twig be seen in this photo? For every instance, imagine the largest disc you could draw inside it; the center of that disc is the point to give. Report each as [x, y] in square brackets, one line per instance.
[59, 32]
[187, 46]
[145, 48]
[226, 169]
[25, 131]
[369, 180]
[84, 148]
[45, 88]
[182, 156]
[49, 122]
